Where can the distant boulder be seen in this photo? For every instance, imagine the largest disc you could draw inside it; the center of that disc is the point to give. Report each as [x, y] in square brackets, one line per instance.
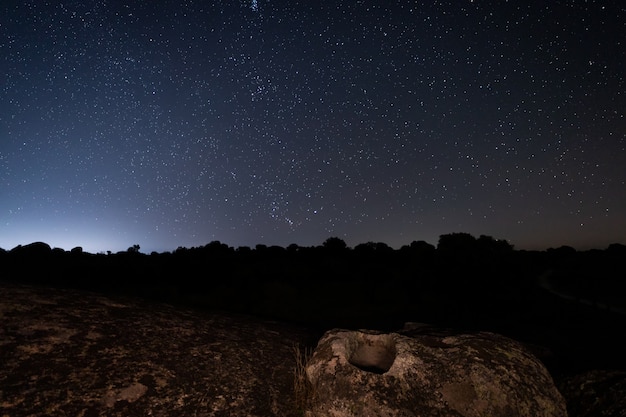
[364, 373]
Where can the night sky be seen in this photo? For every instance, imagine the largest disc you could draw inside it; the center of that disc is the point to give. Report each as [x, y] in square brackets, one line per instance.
[177, 123]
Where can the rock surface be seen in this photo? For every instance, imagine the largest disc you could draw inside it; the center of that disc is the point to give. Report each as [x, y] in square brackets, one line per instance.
[360, 373]
[72, 353]
[595, 393]
[75, 353]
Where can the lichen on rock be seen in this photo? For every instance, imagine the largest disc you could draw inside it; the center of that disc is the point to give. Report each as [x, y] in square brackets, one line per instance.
[73, 353]
[367, 373]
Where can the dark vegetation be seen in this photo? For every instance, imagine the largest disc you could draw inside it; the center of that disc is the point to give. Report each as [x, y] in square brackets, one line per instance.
[571, 303]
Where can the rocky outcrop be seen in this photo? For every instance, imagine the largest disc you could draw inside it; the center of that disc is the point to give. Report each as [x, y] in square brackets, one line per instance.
[76, 353]
[367, 374]
[595, 393]
[73, 353]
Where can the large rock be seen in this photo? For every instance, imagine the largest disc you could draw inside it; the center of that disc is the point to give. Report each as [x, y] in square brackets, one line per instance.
[366, 374]
[73, 353]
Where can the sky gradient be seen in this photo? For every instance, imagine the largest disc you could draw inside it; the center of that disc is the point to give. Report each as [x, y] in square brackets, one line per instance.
[177, 123]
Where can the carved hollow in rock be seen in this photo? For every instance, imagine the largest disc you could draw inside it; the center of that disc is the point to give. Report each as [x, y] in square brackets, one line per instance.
[373, 353]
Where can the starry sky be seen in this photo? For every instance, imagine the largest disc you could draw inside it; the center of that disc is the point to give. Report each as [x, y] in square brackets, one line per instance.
[177, 123]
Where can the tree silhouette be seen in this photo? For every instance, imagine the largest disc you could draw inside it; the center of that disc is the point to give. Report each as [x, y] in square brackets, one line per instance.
[334, 244]
[134, 249]
[456, 243]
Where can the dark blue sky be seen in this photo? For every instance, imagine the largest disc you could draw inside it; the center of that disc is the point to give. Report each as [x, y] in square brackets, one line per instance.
[176, 123]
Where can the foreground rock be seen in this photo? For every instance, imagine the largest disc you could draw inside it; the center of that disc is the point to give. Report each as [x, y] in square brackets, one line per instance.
[70, 353]
[595, 393]
[355, 373]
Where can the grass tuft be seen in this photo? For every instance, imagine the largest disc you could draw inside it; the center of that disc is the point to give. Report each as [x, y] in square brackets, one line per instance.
[301, 387]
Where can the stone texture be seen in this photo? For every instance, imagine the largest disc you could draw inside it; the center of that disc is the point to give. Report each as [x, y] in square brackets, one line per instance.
[367, 374]
[595, 393]
[73, 353]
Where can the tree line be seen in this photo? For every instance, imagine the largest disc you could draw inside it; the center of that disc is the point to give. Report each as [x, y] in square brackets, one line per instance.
[461, 266]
